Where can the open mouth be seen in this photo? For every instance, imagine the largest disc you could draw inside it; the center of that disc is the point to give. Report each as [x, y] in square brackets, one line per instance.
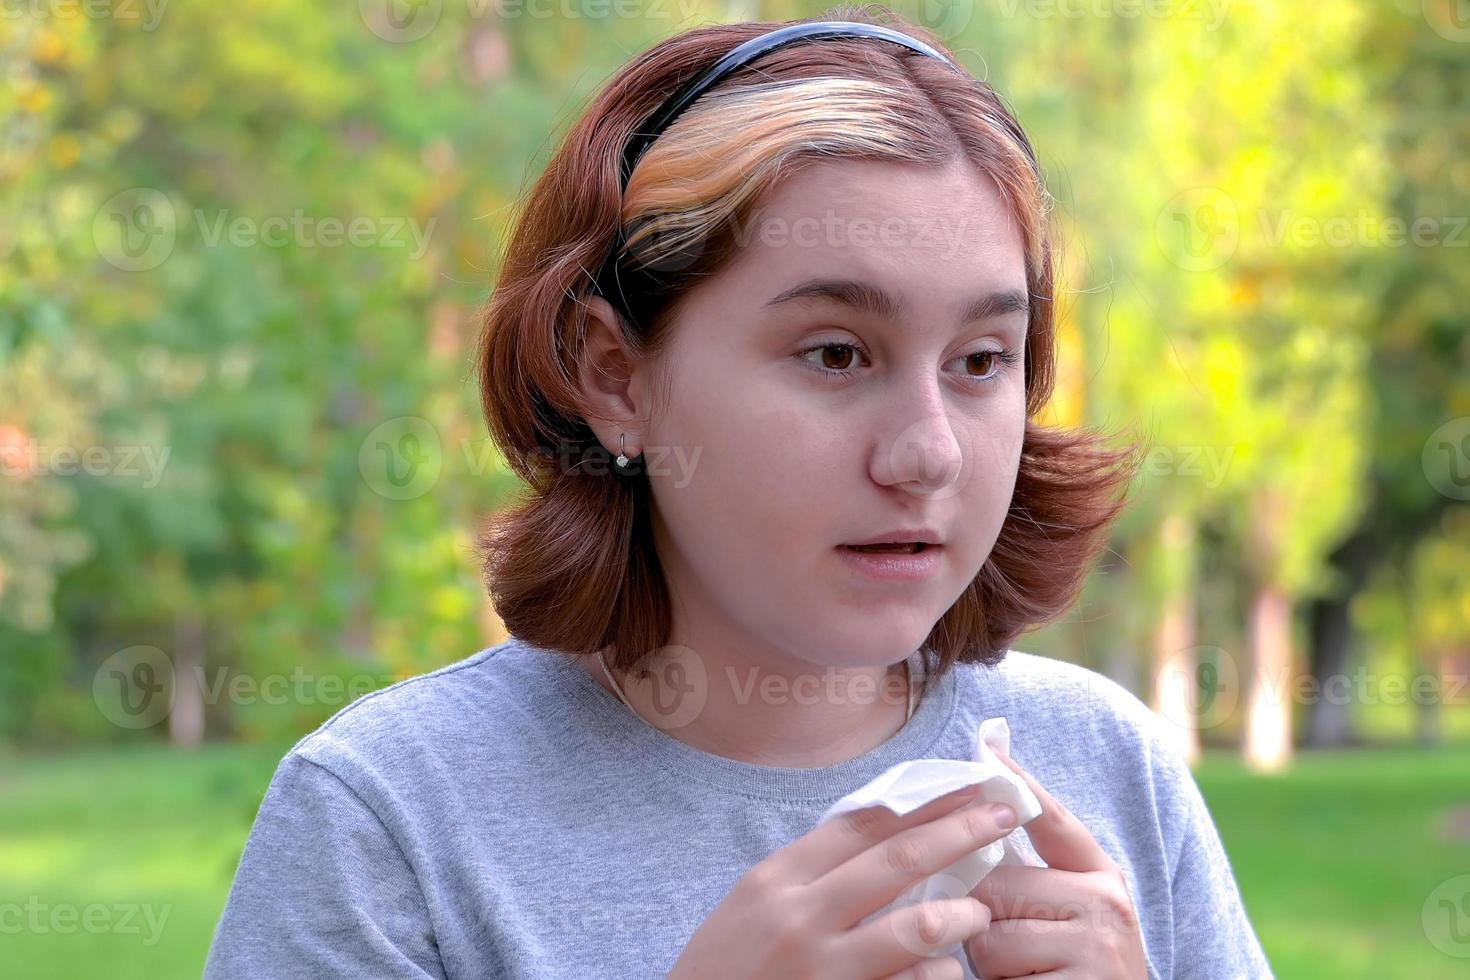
[893, 548]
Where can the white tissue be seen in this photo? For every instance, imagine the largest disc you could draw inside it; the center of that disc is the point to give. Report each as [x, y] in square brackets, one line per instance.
[909, 785]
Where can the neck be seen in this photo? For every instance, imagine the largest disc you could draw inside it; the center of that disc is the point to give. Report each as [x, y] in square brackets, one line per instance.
[776, 713]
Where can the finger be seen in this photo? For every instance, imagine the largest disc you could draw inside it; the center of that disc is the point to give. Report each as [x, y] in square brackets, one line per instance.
[869, 881]
[947, 968]
[1060, 839]
[907, 937]
[844, 837]
[1021, 947]
[1015, 891]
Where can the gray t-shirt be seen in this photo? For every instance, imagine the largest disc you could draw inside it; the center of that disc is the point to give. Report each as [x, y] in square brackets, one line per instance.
[506, 816]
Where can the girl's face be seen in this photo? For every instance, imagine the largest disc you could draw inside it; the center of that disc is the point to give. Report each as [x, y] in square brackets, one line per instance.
[857, 370]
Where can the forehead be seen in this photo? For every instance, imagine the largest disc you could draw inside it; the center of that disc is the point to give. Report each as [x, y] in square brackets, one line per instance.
[923, 231]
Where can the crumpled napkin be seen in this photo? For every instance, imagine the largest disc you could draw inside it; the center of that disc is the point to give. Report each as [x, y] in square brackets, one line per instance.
[909, 785]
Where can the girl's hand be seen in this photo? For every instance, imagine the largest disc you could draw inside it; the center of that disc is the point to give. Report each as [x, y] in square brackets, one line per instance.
[1071, 920]
[798, 913]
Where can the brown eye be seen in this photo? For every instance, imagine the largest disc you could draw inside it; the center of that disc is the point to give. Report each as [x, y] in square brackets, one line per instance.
[840, 363]
[833, 360]
[990, 362]
[985, 359]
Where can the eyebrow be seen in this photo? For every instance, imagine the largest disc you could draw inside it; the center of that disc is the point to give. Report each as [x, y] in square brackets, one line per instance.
[867, 298]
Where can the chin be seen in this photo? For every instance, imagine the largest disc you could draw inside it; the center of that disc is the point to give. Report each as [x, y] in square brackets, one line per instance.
[880, 648]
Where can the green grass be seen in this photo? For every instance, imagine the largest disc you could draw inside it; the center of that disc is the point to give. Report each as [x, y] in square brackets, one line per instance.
[1335, 858]
[131, 833]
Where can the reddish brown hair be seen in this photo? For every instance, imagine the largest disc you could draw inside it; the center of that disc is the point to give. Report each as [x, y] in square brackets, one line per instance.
[571, 565]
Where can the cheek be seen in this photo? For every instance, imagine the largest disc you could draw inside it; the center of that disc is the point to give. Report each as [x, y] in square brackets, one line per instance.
[750, 481]
[990, 482]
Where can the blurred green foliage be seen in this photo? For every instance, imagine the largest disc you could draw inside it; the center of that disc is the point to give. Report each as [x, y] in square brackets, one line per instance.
[243, 246]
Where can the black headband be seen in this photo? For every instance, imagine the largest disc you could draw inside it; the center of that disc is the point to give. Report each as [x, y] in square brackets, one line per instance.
[713, 75]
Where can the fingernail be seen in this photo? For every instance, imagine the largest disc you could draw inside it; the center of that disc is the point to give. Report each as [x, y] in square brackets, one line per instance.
[1004, 816]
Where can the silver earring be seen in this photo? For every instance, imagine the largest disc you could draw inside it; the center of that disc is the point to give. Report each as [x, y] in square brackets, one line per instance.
[621, 462]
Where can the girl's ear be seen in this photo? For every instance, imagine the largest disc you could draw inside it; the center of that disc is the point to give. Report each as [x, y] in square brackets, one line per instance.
[609, 377]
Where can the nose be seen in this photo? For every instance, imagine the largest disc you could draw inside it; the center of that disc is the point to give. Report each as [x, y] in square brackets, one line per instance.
[918, 451]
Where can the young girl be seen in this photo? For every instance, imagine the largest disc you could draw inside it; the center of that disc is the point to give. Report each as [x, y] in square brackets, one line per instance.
[798, 279]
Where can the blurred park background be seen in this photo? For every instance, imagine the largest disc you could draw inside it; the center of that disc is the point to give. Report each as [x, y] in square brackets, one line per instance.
[241, 457]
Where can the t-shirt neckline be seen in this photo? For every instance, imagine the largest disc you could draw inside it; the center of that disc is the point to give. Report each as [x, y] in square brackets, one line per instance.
[914, 740]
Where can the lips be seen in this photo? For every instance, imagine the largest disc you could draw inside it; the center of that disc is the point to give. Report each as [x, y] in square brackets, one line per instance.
[893, 562]
[902, 538]
[892, 548]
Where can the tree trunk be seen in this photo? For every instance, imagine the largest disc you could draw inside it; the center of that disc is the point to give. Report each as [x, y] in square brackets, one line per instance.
[1175, 687]
[186, 720]
[1330, 721]
[1268, 706]
[1382, 535]
[1429, 711]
